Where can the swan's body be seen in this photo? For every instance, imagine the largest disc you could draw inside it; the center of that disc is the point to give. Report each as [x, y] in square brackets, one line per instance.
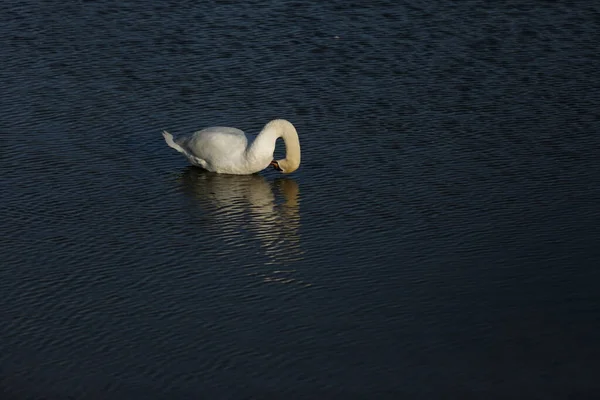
[229, 151]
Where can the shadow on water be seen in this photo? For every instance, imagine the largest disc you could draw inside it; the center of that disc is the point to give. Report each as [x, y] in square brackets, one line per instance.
[249, 208]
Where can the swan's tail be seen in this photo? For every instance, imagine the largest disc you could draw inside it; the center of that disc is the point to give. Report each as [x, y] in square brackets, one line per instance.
[169, 139]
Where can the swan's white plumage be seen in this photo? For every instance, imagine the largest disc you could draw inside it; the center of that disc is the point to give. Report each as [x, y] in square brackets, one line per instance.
[229, 151]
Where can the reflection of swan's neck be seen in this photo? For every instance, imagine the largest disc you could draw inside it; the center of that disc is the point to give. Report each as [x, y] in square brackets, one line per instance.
[290, 191]
[264, 144]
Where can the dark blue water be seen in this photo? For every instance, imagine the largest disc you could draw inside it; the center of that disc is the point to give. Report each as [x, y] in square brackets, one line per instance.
[440, 239]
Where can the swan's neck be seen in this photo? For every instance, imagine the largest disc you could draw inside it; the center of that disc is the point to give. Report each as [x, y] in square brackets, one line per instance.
[263, 146]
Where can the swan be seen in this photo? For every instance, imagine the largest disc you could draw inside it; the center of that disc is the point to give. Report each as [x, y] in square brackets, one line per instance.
[230, 151]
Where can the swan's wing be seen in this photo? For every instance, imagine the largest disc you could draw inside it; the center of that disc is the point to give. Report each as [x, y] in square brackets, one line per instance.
[215, 144]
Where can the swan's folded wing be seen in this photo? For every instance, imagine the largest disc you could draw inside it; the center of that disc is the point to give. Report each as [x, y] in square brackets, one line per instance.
[216, 142]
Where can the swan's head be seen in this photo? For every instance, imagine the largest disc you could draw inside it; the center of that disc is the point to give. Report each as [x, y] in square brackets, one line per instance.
[286, 166]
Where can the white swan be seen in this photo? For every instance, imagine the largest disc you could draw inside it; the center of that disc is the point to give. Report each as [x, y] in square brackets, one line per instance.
[229, 151]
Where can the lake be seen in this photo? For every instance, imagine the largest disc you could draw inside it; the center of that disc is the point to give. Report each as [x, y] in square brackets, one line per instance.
[440, 239]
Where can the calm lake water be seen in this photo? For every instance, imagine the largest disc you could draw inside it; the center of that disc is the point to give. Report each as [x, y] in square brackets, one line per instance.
[440, 240]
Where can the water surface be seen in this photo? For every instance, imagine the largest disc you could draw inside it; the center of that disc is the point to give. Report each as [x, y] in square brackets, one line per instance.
[440, 239]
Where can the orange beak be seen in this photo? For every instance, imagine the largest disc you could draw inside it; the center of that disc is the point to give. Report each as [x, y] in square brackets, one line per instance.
[275, 165]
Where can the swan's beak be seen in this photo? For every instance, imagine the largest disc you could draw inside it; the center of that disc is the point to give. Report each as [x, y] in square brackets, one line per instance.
[275, 165]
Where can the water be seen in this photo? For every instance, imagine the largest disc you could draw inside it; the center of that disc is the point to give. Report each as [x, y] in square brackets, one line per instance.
[440, 239]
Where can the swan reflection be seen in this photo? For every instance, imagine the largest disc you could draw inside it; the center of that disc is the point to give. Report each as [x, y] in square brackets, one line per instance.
[245, 209]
